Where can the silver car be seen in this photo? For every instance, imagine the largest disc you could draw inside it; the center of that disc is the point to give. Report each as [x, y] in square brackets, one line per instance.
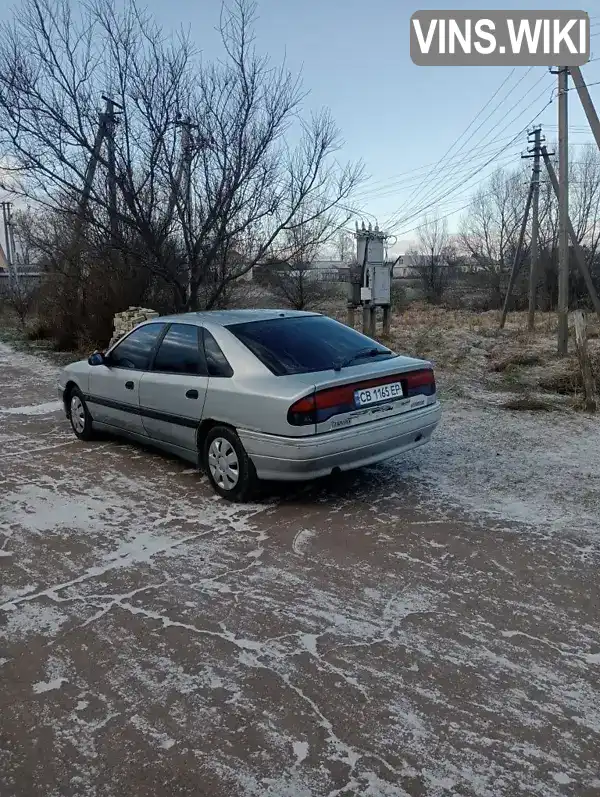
[255, 394]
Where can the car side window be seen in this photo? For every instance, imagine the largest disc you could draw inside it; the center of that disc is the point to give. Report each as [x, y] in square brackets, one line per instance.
[180, 352]
[135, 352]
[216, 361]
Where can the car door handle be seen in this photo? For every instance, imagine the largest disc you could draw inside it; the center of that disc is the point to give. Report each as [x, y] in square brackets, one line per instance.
[192, 394]
[129, 385]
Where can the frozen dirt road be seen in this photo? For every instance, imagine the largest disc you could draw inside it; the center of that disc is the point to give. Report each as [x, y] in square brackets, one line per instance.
[351, 639]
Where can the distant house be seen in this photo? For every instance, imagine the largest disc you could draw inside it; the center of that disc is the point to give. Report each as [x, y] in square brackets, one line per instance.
[403, 266]
[330, 270]
[318, 270]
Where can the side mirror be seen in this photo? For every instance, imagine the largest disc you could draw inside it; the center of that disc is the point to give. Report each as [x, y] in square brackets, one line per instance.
[97, 358]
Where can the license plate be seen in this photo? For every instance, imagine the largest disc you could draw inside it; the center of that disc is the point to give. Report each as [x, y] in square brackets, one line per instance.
[373, 395]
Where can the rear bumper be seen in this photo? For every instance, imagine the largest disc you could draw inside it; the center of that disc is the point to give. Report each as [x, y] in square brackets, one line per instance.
[295, 459]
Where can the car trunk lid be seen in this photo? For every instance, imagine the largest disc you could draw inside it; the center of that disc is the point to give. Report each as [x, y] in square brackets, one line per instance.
[364, 393]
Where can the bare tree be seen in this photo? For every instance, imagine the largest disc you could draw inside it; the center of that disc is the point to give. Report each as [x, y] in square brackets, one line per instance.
[21, 297]
[294, 280]
[489, 230]
[198, 213]
[433, 258]
[490, 227]
[345, 247]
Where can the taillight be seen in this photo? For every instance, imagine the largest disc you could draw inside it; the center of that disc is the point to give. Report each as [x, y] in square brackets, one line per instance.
[303, 412]
[324, 404]
[416, 379]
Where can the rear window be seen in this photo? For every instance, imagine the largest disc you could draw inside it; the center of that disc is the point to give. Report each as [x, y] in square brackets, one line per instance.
[304, 344]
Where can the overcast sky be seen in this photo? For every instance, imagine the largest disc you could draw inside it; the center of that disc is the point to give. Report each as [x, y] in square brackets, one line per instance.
[395, 116]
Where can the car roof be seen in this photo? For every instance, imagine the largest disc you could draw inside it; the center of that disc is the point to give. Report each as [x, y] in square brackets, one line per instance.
[225, 318]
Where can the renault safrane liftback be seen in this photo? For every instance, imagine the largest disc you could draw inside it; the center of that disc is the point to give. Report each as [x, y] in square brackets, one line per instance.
[255, 394]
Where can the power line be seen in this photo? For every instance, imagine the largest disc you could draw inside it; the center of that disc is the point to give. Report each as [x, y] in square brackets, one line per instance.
[445, 216]
[399, 220]
[452, 172]
[433, 170]
[394, 187]
[370, 185]
[456, 210]
[426, 184]
[437, 200]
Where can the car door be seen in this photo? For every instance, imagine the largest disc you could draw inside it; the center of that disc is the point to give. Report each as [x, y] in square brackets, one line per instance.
[173, 391]
[114, 387]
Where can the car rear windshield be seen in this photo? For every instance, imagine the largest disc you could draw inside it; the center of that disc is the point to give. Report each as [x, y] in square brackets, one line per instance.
[306, 343]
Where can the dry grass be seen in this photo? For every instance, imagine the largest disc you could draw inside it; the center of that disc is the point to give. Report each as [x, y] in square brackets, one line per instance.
[565, 383]
[473, 356]
[527, 404]
[514, 361]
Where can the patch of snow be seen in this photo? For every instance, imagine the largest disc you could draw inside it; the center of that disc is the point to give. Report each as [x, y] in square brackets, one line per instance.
[562, 778]
[591, 658]
[29, 362]
[30, 618]
[309, 642]
[539, 469]
[48, 686]
[9, 594]
[39, 509]
[34, 409]
[165, 675]
[300, 751]
[163, 741]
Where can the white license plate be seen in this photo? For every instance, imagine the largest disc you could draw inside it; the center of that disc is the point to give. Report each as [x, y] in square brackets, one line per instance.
[373, 395]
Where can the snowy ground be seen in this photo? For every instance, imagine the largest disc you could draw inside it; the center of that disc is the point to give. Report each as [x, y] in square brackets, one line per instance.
[425, 627]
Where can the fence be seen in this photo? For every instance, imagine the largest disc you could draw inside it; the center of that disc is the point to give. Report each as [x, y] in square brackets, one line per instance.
[29, 280]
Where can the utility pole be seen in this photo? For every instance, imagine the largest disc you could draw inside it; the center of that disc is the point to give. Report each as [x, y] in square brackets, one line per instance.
[6, 214]
[563, 211]
[577, 250]
[535, 152]
[108, 123]
[586, 101]
[182, 183]
[11, 250]
[518, 254]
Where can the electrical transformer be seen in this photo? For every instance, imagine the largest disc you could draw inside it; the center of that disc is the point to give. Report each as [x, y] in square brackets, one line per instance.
[376, 286]
[379, 279]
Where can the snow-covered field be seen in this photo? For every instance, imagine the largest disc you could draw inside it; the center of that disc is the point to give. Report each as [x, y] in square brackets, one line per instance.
[539, 469]
[424, 627]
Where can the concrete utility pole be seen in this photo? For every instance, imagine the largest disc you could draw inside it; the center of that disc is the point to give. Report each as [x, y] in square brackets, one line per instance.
[578, 251]
[182, 184]
[11, 250]
[108, 123]
[563, 211]
[586, 101]
[6, 216]
[535, 152]
[518, 254]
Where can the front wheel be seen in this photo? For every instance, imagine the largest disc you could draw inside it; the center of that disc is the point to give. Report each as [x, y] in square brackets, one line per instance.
[228, 466]
[81, 420]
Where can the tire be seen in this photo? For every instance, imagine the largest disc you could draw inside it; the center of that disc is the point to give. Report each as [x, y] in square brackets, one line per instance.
[232, 475]
[79, 415]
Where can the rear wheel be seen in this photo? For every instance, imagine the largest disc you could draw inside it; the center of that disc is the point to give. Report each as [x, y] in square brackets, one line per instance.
[228, 466]
[81, 420]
